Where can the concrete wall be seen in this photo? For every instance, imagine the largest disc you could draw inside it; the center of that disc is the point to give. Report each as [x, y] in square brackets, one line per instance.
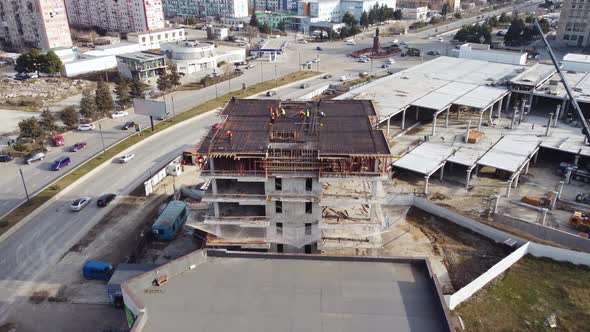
[475, 52]
[543, 232]
[79, 67]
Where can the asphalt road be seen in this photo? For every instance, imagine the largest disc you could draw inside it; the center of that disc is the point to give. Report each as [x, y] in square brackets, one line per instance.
[26, 254]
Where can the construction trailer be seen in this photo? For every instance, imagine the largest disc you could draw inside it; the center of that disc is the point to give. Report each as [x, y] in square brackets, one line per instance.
[271, 163]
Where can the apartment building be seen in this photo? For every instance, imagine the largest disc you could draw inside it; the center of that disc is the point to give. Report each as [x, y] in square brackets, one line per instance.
[150, 40]
[294, 176]
[273, 5]
[33, 24]
[197, 8]
[453, 5]
[334, 10]
[116, 15]
[574, 23]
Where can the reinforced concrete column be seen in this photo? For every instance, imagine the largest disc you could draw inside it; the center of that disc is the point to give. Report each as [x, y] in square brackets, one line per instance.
[554, 200]
[491, 110]
[479, 123]
[442, 172]
[500, 109]
[508, 102]
[216, 209]
[513, 117]
[467, 179]
[404, 119]
[426, 178]
[530, 102]
[515, 182]
[526, 167]
[560, 188]
[434, 124]
[557, 114]
[496, 203]
[467, 132]
[417, 112]
[549, 124]
[508, 189]
[564, 107]
[388, 123]
[544, 216]
[447, 117]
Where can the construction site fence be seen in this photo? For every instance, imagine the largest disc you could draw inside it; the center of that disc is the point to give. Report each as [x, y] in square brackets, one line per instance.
[544, 232]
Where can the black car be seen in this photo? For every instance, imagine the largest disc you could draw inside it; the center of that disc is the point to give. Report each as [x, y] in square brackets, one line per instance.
[105, 199]
[128, 124]
[319, 49]
[5, 158]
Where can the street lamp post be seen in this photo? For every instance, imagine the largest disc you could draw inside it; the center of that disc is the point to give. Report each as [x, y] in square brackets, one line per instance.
[24, 184]
[101, 138]
[261, 74]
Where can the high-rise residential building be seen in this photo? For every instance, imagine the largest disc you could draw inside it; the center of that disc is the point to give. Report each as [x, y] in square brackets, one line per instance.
[195, 8]
[334, 10]
[574, 23]
[273, 5]
[116, 15]
[33, 24]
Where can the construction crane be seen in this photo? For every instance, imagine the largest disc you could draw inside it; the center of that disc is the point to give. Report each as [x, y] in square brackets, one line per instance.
[585, 129]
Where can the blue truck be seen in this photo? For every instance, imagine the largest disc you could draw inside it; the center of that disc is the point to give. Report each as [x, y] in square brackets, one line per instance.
[170, 221]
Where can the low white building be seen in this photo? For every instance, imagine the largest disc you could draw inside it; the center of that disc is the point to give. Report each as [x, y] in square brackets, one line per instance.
[484, 53]
[101, 58]
[415, 14]
[576, 62]
[191, 56]
[150, 40]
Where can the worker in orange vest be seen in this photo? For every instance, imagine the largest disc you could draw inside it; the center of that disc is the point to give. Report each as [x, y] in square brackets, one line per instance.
[228, 134]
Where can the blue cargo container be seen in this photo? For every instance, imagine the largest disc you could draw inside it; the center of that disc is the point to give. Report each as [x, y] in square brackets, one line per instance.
[170, 221]
[97, 270]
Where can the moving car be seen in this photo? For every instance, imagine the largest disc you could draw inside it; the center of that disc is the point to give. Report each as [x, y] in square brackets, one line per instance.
[78, 146]
[58, 140]
[60, 163]
[238, 71]
[217, 125]
[105, 199]
[344, 78]
[128, 124]
[385, 65]
[34, 156]
[250, 66]
[319, 49]
[363, 60]
[395, 41]
[403, 43]
[119, 114]
[4, 158]
[441, 40]
[327, 76]
[126, 158]
[500, 34]
[390, 61]
[215, 74]
[433, 53]
[363, 74]
[302, 41]
[304, 86]
[270, 93]
[350, 42]
[80, 203]
[24, 76]
[97, 270]
[315, 60]
[86, 127]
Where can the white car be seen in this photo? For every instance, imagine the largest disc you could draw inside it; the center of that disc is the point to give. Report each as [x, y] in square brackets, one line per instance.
[363, 60]
[315, 60]
[350, 42]
[126, 158]
[403, 43]
[119, 114]
[390, 61]
[343, 78]
[303, 41]
[441, 40]
[395, 41]
[80, 203]
[86, 127]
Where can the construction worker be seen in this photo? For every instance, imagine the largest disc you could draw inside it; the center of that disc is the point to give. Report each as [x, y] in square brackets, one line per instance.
[322, 114]
[307, 113]
[276, 113]
[301, 114]
[272, 118]
[283, 113]
[228, 134]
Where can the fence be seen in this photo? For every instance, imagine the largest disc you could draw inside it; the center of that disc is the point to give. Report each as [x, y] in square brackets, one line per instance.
[159, 175]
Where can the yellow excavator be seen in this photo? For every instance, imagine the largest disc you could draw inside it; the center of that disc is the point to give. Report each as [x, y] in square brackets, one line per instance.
[580, 221]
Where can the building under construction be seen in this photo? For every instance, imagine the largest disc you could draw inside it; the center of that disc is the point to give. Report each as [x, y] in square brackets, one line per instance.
[294, 176]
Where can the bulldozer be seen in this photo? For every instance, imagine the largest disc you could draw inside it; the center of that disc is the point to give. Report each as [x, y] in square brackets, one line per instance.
[580, 221]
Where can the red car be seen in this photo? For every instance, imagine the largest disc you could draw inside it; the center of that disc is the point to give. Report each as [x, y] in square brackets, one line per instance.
[217, 125]
[58, 140]
[78, 146]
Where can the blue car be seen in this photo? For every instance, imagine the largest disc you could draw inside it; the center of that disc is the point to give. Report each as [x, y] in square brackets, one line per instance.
[97, 270]
[60, 163]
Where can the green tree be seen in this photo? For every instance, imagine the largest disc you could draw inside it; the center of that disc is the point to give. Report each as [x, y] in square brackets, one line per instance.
[173, 76]
[69, 116]
[458, 15]
[88, 107]
[30, 128]
[475, 34]
[282, 26]
[445, 9]
[30, 62]
[191, 21]
[47, 120]
[137, 89]
[514, 35]
[493, 21]
[265, 28]
[349, 19]
[254, 21]
[372, 17]
[530, 18]
[397, 14]
[364, 20]
[545, 26]
[103, 98]
[51, 64]
[122, 92]
[163, 83]
[504, 18]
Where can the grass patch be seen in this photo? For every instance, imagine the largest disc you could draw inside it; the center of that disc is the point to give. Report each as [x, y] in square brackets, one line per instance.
[530, 291]
[43, 196]
[24, 103]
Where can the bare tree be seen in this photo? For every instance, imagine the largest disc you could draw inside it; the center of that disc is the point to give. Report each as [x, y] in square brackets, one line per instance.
[252, 32]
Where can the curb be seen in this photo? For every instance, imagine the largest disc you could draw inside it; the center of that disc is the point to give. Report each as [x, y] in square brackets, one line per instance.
[74, 184]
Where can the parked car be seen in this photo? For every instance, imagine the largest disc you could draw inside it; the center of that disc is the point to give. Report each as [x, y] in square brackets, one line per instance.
[302, 41]
[390, 61]
[403, 43]
[80, 203]
[350, 42]
[127, 125]
[58, 140]
[126, 158]
[119, 114]
[327, 76]
[105, 199]
[441, 40]
[97, 270]
[4, 158]
[363, 74]
[250, 66]
[319, 49]
[395, 41]
[217, 125]
[433, 53]
[214, 74]
[385, 65]
[304, 86]
[344, 78]
[86, 127]
[394, 45]
[270, 93]
[363, 60]
[34, 156]
[315, 60]
[238, 71]
[25, 76]
[60, 163]
[500, 33]
[78, 146]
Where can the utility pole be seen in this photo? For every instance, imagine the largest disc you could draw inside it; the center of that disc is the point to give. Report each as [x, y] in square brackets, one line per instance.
[216, 90]
[173, 109]
[24, 184]
[101, 138]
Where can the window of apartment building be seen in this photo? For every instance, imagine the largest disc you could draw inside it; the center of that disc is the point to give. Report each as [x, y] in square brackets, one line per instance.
[308, 184]
[278, 184]
[308, 207]
[279, 207]
[280, 248]
[307, 228]
[308, 249]
[280, 228]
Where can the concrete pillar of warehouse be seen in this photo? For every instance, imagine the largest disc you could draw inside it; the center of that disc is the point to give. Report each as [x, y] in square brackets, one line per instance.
[490, 111]
[434, 125]
[496, 203]
[564, 107]
[447, 117]
[544, 216]
[557, 114]
[417, 112]
[515, 182]
[500, 110]
[388, 123]
[526, 167]
[426, 178]
[508, 103]
[442, 172]
[468, 179]
[479, 123]
[560, 188]
[508, 189]
[554, 200]
[404, 119]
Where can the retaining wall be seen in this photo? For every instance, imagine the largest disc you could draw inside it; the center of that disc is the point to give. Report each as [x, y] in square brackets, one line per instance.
[543, 232]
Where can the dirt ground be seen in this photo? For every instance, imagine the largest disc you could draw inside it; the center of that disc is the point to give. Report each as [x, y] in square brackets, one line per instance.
[30, 94]
[523, 298]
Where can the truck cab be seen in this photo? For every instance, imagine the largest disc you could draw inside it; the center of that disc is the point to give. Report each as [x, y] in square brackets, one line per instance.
[97, 270]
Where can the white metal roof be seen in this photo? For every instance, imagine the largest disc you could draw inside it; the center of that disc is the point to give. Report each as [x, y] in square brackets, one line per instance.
[425, 158]
[509, 153]
[534, 75]
[444, 96]
[481, 97]
[577, 57]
